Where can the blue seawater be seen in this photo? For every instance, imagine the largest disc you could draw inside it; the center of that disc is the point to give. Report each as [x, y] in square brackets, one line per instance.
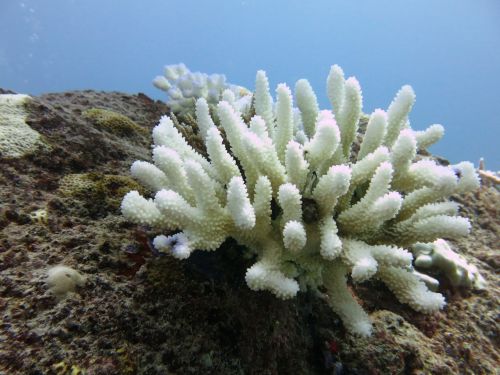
[448, 50]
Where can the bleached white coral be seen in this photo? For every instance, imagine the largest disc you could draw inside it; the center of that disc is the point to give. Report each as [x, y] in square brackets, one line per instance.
[62, 280]
[439, 255]
[17, 138]
[184, 87]
[339, 210]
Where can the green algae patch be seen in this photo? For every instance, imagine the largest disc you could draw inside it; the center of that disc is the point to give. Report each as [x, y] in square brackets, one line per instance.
[103, 190]
[113, 122]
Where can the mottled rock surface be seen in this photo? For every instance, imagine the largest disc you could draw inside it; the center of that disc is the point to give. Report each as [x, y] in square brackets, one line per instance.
[139, 313]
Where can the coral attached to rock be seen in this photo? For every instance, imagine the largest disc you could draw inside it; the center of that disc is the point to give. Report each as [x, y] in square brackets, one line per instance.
[185, 87]
[16, 137]
[62, 279]
[113, 122]
[296, 189]
[440, 255]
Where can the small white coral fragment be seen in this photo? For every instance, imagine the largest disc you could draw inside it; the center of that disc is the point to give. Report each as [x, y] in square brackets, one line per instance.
[40, 216]
[62, 280]
[439, 255]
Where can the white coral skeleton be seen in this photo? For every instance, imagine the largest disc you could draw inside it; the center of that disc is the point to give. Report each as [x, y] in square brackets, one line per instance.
[339, 211]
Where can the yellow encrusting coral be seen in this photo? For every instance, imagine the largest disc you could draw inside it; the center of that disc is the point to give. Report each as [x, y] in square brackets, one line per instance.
[113, 122]
[98, 187]
[17, 138]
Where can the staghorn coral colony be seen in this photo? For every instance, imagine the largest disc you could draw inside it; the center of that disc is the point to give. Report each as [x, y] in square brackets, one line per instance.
[316, 199]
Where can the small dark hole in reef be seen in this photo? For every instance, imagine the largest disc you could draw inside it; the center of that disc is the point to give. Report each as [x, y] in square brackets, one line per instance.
[224, 264]
[310, 210]
[275, 209]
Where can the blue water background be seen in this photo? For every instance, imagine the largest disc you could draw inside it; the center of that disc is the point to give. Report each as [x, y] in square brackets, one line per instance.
[448, 50]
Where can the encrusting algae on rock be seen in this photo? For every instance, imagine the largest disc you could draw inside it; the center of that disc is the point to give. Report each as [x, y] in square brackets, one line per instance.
[310, 207]
[139, 313]
[107, 189]
[112, 122]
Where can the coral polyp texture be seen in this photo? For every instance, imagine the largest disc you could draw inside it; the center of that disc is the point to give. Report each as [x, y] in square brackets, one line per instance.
[318, 201]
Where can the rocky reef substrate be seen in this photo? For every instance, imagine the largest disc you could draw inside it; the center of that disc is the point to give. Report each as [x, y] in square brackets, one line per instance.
[140, 313]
